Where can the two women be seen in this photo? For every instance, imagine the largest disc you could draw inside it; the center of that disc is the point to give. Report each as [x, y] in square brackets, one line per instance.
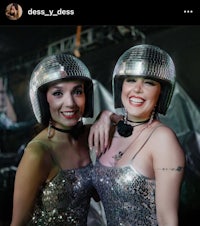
[139, 176]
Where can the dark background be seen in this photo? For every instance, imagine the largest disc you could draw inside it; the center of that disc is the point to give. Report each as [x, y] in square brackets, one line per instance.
[23, 43]
[22, 47]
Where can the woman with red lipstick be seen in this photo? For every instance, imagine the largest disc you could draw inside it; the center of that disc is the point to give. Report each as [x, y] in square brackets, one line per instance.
[139, 176]
[53, 184]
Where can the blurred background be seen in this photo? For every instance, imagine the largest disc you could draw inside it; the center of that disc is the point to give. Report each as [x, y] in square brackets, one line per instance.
[22, 47]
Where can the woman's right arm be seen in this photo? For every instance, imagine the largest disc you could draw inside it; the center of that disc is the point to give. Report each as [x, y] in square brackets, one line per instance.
[31, 174]
[101, 131]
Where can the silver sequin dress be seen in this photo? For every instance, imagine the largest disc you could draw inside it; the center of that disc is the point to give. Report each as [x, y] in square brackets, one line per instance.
[65, 201]
[127, 196]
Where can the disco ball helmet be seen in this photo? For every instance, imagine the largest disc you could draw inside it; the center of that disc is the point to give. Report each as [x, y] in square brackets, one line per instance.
[146, 61]
[57, 68]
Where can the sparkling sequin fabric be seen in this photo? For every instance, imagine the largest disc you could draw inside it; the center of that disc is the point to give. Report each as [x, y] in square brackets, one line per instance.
[128, 197]
[65, 200]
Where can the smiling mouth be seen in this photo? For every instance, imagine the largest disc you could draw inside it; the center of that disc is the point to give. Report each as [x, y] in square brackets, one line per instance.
[136, 100]
[70, 114]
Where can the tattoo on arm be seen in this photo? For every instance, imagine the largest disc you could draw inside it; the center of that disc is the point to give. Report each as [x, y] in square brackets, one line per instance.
[178, 168]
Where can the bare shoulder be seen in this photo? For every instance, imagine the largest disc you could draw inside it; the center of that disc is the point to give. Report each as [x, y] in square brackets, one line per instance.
[165, 145]
[36, 161]
[39, 147]
[164, 133]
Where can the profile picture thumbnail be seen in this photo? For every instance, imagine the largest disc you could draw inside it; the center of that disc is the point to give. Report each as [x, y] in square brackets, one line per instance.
[13, 11]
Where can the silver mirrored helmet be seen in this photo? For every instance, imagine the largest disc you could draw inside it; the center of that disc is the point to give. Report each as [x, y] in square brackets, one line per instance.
[52, 69]
[150, 62]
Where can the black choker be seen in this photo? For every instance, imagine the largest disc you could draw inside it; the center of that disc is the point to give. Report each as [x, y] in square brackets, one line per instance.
[125, 129]
[62, 130]
[141, 122]
[75, 131]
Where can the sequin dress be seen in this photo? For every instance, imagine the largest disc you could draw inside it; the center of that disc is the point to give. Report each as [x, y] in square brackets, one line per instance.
[127, 196]
[65, 200]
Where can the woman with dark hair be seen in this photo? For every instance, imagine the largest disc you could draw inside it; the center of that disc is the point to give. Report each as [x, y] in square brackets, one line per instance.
[139, 176]
[53, 183]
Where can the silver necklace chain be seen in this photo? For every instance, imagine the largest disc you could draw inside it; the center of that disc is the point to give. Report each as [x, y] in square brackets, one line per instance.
[119, 155]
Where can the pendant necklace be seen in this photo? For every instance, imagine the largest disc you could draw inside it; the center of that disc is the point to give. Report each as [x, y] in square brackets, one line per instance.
[125, 129]
[119, 155]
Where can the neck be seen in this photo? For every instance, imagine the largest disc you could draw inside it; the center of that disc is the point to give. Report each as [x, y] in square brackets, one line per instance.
[74, 131]
[61, 130]
[125, 129]
[138, 122]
